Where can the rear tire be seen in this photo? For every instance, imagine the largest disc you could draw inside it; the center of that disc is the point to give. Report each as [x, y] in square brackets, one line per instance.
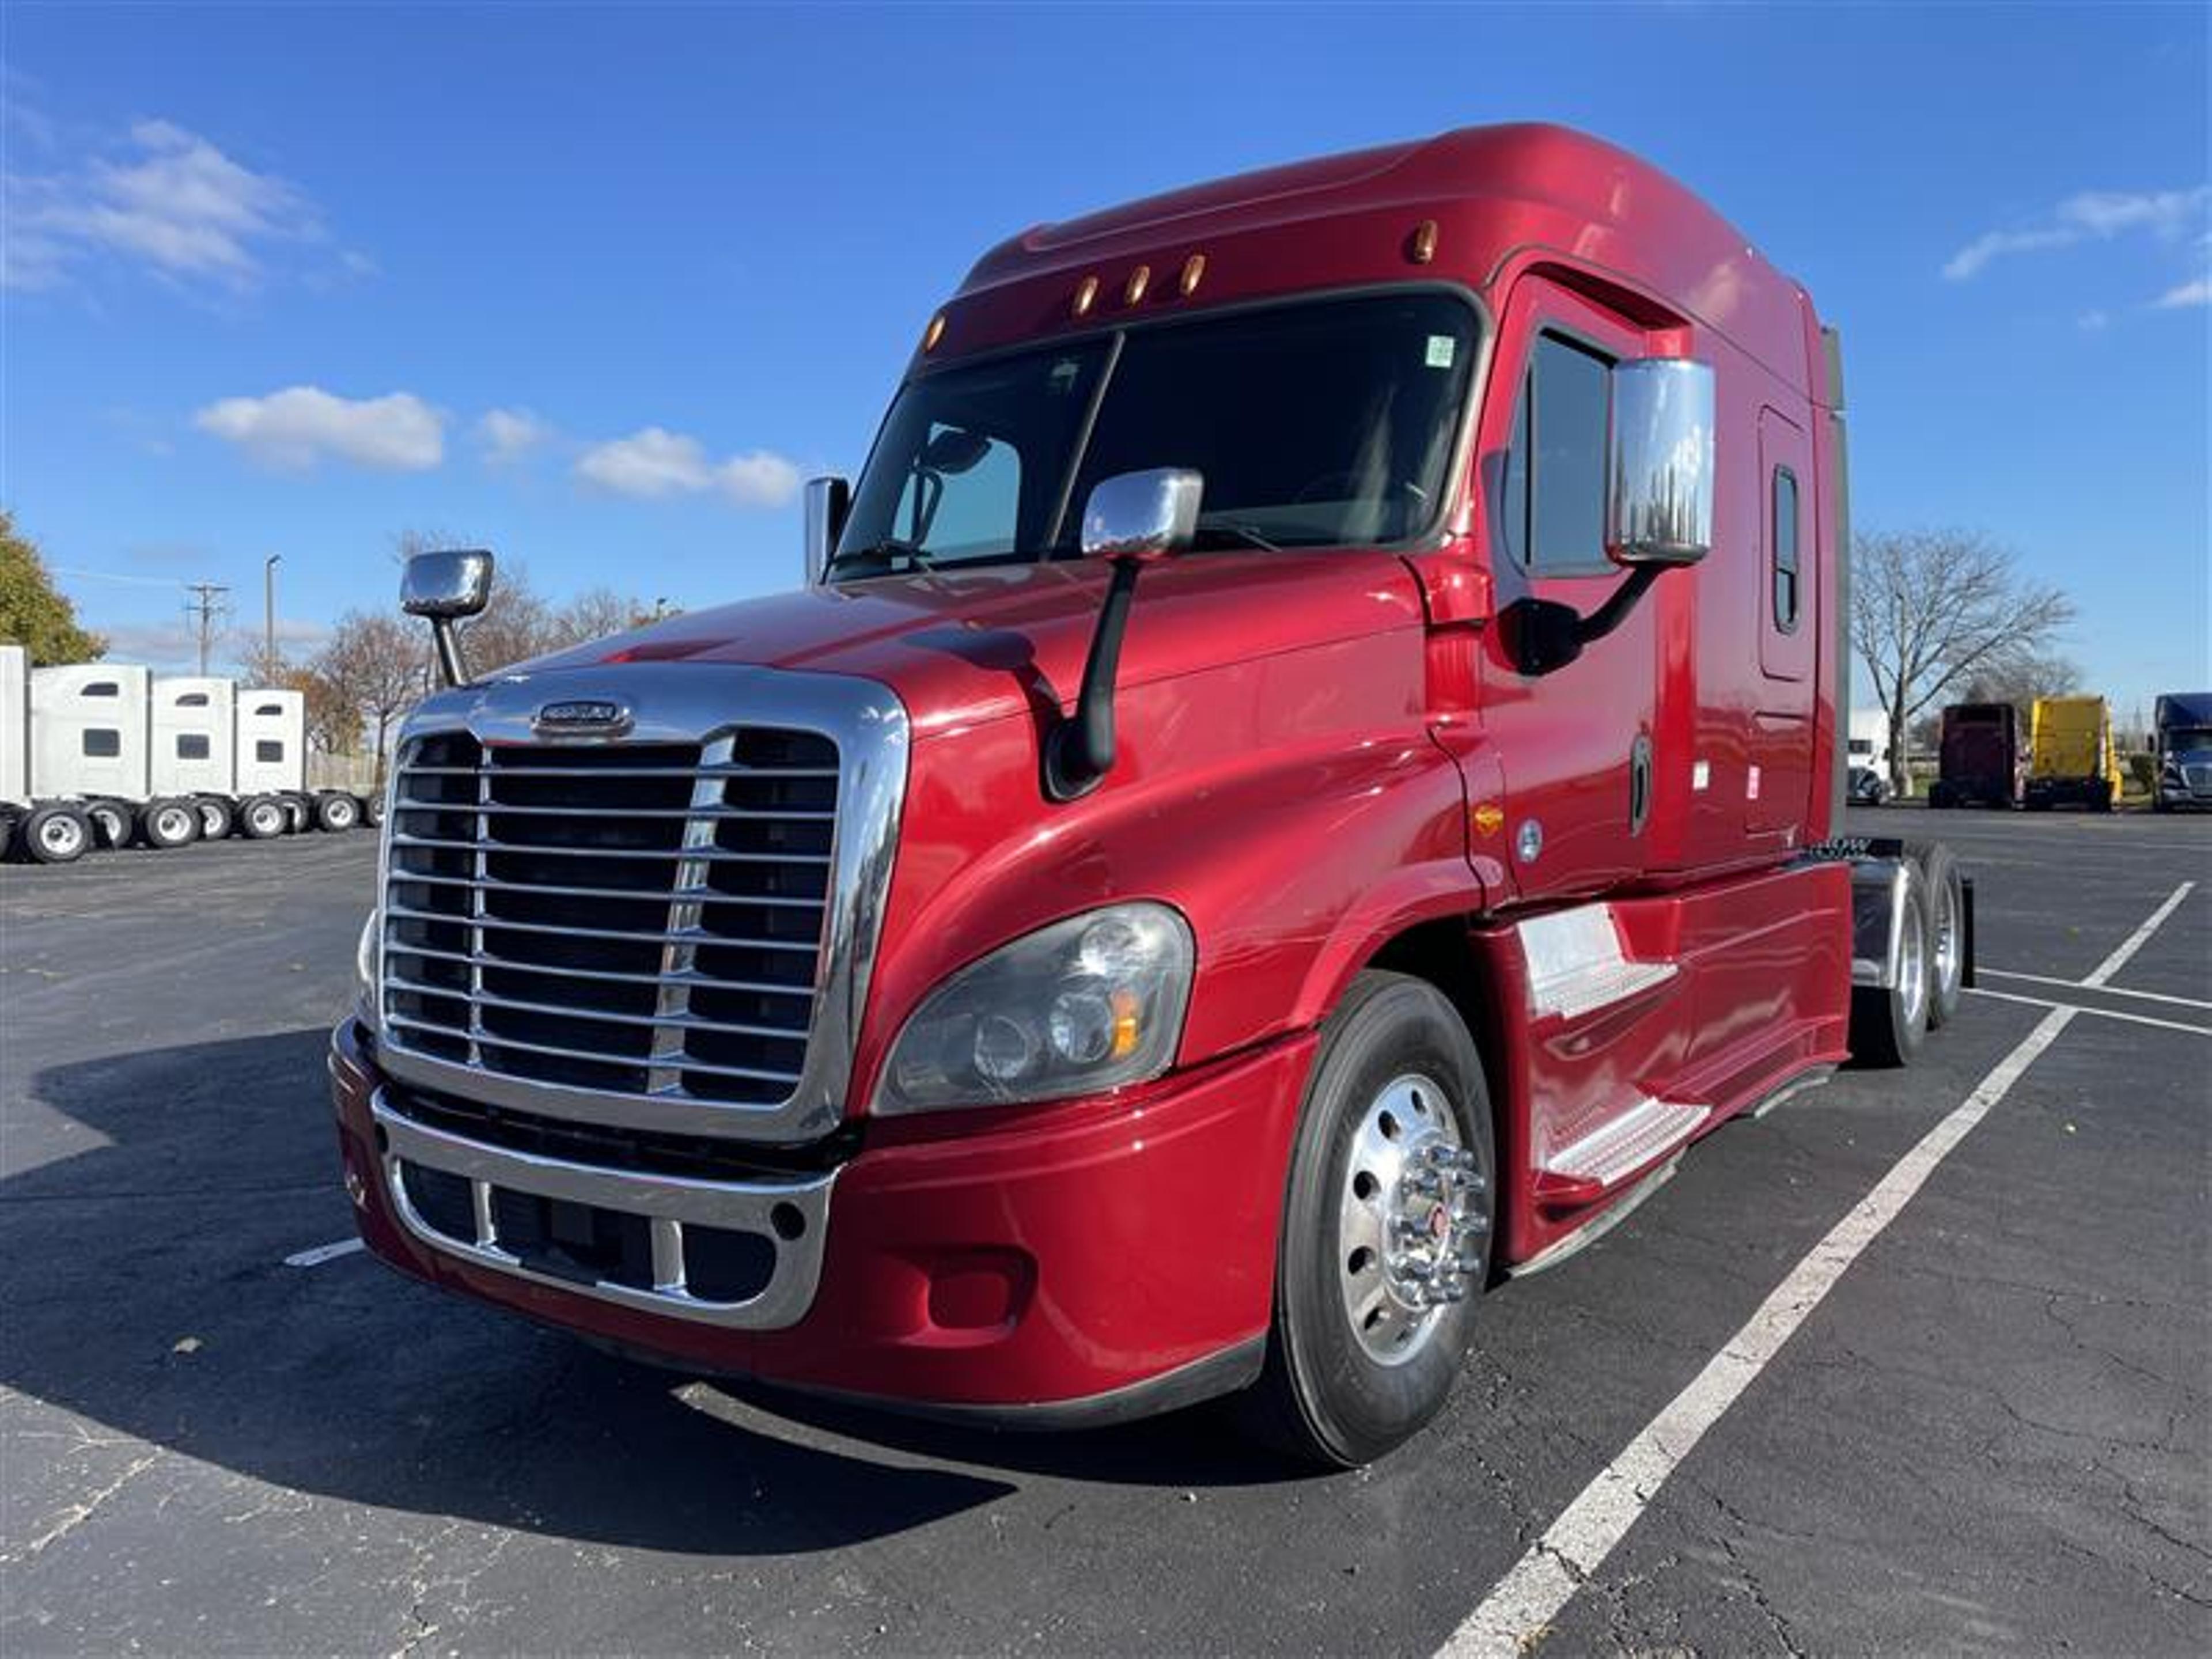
[57, 834]
[1889, 1024]
[335, 810]
[112, 821]
[263, 817]
[165, 821]
[1361, 1355]
[299, 811]
[218, 817]
[372, 810]
[1946, 928]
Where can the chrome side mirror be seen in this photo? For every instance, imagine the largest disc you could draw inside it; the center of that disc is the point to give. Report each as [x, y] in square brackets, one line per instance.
[827, 502]
[445, 586]
[1659, 463]
[1143, 515]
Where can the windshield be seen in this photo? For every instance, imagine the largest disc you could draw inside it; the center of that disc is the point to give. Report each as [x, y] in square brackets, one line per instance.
[2188, 740]
[1322, 424]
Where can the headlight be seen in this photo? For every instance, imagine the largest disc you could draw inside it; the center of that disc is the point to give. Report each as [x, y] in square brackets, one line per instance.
[364, 954]
[1089, 1003]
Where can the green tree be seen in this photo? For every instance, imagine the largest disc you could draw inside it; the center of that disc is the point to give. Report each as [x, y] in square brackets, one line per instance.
[33, 613]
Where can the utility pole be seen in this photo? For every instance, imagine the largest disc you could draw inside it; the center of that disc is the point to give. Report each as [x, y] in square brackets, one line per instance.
[206, 608]
[269, 612]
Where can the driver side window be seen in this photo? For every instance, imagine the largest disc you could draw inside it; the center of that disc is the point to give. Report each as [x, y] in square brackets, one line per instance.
[1554, 508]
[968, 506]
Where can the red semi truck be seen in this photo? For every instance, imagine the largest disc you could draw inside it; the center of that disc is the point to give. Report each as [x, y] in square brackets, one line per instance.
[1303, 776]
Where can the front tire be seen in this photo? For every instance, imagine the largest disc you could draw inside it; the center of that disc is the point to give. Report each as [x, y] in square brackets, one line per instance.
[58, 834]
[1386, 1225]
[263, 817]
[166, 822]
[335, 810]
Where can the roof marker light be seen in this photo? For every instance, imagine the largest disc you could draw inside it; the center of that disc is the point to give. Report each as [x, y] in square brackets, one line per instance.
[1087, 292]
[1139, 280]
[934, 333]
[1423, 247]
[1192, 270]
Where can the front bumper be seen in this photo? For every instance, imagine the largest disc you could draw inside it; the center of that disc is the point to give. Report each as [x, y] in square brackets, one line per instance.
[1076, 1262]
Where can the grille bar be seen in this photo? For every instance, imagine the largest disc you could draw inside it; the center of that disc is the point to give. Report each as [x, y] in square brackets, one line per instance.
[695, 933]
[712, 895]
[505, 964]
[673, 952]
[557, 1051]
[712, 855]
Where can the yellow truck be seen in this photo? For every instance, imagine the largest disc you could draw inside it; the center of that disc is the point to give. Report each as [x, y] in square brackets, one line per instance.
[2070, 756]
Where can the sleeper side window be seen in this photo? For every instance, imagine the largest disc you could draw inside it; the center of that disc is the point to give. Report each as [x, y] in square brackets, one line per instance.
[102, 742]
[1784, 543]
[1554, 479]
[193, 746]
[268, 749]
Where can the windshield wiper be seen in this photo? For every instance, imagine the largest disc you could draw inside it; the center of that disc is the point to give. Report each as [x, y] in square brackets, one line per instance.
[882, 552]
[1242, 532]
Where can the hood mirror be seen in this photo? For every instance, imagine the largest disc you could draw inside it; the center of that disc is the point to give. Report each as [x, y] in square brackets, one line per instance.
[1143, 515]
[828, 500]
[445, 586]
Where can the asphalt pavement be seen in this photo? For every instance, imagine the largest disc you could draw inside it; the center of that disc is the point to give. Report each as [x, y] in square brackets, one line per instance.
[1989, 1435]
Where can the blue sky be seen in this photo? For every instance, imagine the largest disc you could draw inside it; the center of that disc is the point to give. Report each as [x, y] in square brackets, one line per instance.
[596, 285]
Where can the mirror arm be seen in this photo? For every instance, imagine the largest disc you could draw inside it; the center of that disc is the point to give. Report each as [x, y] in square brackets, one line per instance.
[1618, 603]
[450, 663]
[1079, 750]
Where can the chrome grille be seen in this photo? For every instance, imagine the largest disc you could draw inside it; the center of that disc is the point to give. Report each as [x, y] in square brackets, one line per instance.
[2198, 778]
[643, 919]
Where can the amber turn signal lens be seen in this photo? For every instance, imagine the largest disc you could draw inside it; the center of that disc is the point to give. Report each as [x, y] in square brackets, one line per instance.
[1086, 295]
[934, 333]
[1192, 270]
[1423, 246]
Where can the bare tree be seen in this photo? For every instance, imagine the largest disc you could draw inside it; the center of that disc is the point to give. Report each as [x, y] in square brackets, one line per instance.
[2019, 678]
[1930, 608]
[372, 667]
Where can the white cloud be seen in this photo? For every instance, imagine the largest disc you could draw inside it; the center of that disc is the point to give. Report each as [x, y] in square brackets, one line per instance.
[2093, 216]
[293, 428]
[509, 436]
[2198, 293]
[167, 200]
[655, 463]
[759, 479]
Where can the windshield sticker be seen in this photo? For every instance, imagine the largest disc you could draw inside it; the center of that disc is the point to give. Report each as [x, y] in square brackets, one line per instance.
[1442, 350]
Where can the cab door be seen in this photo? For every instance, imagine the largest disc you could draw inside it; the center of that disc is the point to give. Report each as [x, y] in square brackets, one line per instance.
[1777, 787]
[1575, 743]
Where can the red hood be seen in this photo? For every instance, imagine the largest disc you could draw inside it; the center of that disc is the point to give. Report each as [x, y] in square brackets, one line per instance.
[960, 648]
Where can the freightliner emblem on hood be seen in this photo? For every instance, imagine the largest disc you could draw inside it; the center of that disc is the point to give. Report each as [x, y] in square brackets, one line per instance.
[582, 717]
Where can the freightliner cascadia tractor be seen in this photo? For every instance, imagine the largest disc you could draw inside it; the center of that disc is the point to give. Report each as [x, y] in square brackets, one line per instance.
[1303, 777]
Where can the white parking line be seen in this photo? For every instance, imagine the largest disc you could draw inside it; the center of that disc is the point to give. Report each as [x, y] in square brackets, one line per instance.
[2101, 1013]
[1981, 972]
[2134, 942]
[323, 1252]
[1577, 1544]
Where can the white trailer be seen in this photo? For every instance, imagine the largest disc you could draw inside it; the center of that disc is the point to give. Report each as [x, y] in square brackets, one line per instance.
[194, 747]
[272, 761]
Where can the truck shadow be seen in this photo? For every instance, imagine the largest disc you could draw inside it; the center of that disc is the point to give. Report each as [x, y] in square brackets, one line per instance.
[147, 1293]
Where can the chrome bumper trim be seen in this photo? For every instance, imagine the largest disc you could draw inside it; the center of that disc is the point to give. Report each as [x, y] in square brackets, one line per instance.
[668, 1203]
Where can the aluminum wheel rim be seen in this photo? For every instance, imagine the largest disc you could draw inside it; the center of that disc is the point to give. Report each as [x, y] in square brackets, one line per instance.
[210, 819]
[1410, 1220]
[1949, 953]
[175, 823]
[1912, 971]
[61, 836]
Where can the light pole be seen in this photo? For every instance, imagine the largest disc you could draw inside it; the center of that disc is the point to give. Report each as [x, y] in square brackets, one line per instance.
[269, 611]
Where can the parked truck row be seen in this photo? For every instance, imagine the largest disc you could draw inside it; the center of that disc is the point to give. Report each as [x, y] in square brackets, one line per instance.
[2070, 758]
[108, 754]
